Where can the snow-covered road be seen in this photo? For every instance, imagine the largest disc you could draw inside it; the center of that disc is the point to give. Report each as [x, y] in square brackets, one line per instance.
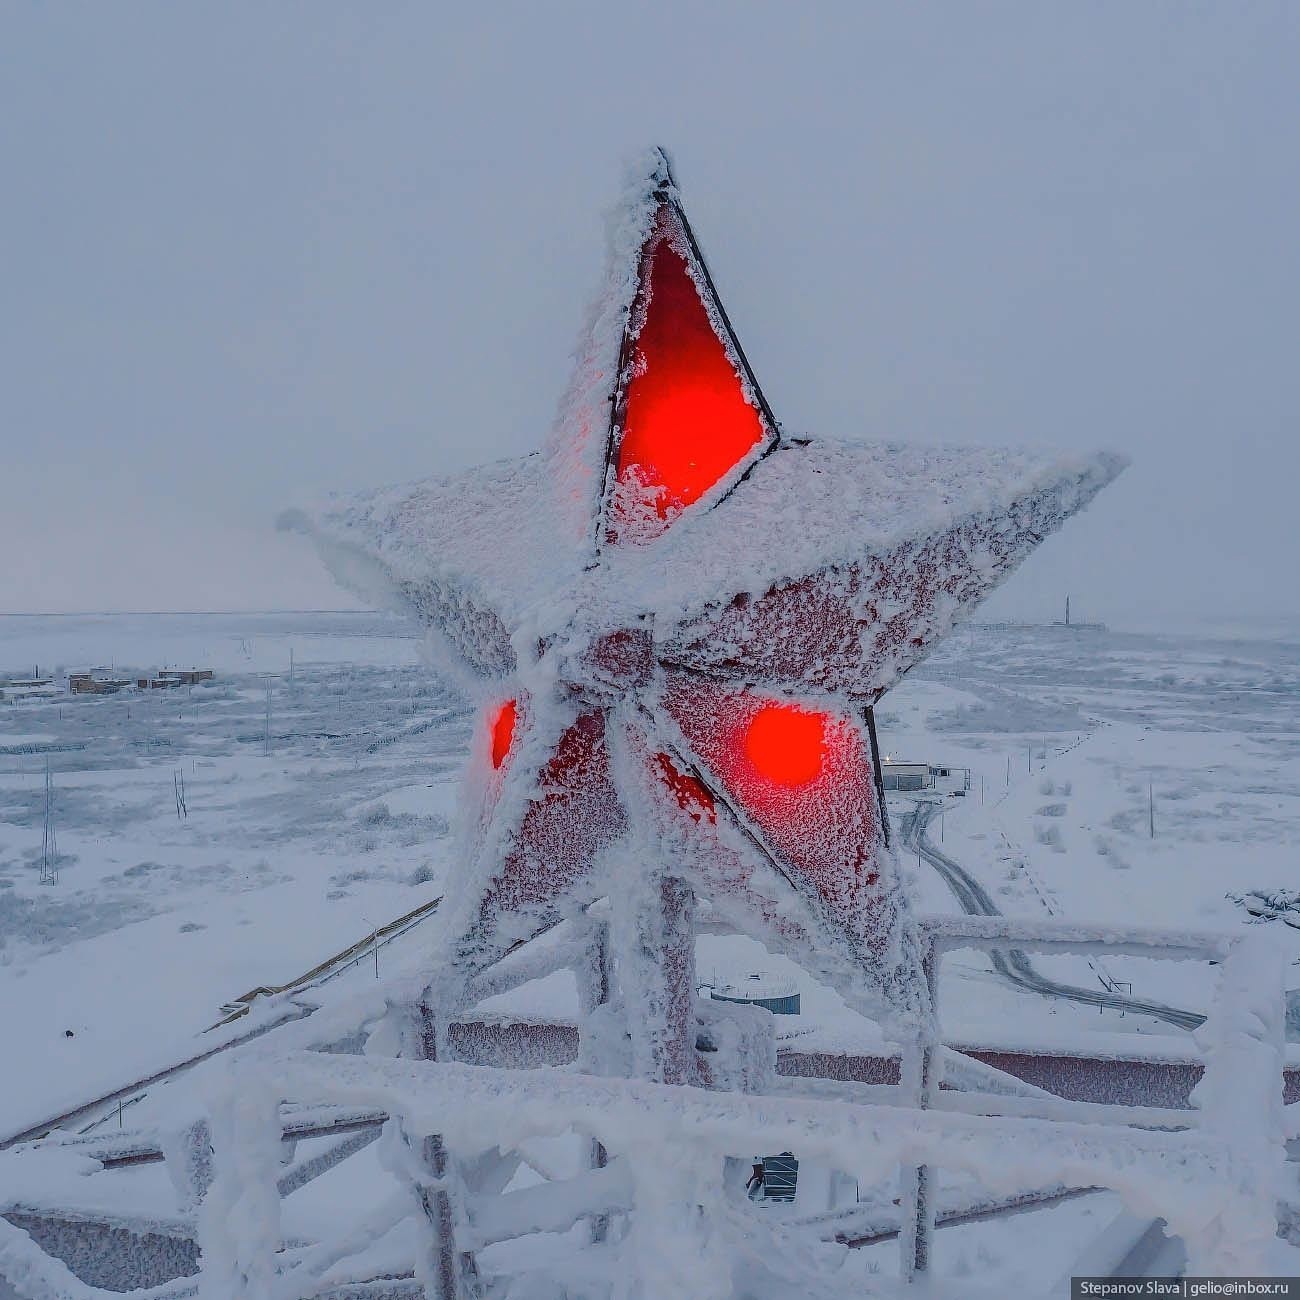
[1013, 965]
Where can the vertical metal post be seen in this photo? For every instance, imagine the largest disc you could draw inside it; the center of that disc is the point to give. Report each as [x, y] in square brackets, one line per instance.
[239, 1231]
[676, 1053]
[877, 772]
[188, 1154]
[1240, 1098]
[595, 987]
[919, 1077]
[448, 1274]
[49, 840]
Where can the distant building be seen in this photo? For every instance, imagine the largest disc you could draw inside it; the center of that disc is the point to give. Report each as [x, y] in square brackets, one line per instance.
[950, 780]
[779, 995]
[186, 676]
[910, 778]
[97, 681]
[169, 678]
[905, 776]
[19, 688]
[93, 683]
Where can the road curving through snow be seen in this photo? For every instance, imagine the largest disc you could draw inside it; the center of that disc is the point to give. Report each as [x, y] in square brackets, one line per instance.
[1011, 964]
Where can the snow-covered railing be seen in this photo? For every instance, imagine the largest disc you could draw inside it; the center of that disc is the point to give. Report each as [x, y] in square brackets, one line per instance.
[1230, 1146]
[671, 1146]
[948, 932]
[1243, 1036]
[1240, 1093]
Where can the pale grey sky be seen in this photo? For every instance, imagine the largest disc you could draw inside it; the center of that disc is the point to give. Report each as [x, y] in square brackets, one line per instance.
[256, 250]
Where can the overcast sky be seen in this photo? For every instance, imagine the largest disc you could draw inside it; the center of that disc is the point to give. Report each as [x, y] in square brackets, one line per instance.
[254, 251]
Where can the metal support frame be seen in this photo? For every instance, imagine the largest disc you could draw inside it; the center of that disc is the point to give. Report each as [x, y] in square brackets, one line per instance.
[595, 986]
[918, 1078]
[1243, 1072]
[447, 1272]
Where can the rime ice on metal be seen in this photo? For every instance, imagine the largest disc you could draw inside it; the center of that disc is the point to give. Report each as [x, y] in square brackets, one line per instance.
[686, 612]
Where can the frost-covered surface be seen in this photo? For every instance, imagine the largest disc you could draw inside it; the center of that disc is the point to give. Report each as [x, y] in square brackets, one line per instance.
[879, 520]
[283, 859]
[811, 562]
[1212, 722]
[1196, 738]
[576, 453]
[1198, 1183]
[807, 568]
[1240, 1102]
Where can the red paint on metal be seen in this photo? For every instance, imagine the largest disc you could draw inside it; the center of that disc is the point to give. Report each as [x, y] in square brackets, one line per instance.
[573, 813]
[692, 795]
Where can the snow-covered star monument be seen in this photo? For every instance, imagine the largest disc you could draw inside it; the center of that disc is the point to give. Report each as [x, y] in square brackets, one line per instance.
[675, 620]
[677, 617]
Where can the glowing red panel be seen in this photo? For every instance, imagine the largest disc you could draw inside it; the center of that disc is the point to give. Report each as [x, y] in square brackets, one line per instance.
[786, 745]
[687, 422]
[803, 779]
[503, 732]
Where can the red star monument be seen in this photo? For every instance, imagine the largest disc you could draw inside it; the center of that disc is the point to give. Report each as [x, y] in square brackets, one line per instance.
[675, 619]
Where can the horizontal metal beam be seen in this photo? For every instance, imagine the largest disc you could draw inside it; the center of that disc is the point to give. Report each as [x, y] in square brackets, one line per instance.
[977, 931]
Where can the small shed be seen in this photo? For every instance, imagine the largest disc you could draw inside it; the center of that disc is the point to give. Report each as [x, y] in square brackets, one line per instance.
[905, 776]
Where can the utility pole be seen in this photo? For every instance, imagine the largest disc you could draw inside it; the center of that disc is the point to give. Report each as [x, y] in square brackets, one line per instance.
[291, 677]
[49, 837]
[1067, 611]
[1151, 808]
[1008, 771]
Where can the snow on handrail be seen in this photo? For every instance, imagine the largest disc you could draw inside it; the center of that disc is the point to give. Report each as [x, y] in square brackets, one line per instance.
[956, 931]
[1194, 1179]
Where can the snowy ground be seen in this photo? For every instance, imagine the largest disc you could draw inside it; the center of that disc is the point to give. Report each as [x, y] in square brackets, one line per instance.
[1073, 737]
[297, 845]
[284, 857]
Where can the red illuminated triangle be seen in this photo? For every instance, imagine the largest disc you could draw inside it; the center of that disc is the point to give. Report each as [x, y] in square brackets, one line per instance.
[682, 424]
